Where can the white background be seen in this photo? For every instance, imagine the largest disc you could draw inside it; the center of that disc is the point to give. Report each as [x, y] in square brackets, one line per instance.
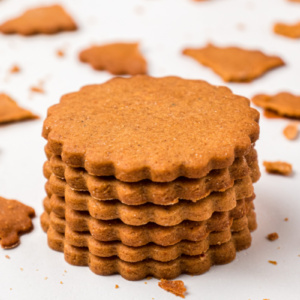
[164, 28]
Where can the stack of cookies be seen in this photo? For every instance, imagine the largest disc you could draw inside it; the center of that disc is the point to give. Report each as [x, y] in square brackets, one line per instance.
[150, 176]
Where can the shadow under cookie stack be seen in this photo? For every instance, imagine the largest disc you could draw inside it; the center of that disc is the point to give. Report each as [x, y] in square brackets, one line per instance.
[150, 176]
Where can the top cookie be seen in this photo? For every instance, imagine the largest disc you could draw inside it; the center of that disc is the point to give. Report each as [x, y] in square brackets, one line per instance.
[151, 128]
[46, 20]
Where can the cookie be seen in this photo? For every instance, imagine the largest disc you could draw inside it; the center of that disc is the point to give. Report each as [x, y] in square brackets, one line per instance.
[136, 236]
[41, 20]
[284, 104]
[162, 215]
[104, 188]
[11, 112]
[15, 219]
[190, 131]
[199, 264]
[116, 58]
[278, 167]
[234, 64]
[291, 31]
[152, 251]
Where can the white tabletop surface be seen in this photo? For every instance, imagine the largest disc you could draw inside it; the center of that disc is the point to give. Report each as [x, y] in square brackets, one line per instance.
[164, 28]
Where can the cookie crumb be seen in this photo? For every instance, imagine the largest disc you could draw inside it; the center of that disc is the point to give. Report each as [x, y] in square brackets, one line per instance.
[7, 256]
[291, 131]
[286, 219]
[116, 286]
[21, 269]
[60, 53]
[10, 289]
[37, 89]
[65, 271]
[273, 262]
[46, 278]
[175, 287]
[14, 69]
[278, 167]
[61, 282]
[273, 236]
[146, 282]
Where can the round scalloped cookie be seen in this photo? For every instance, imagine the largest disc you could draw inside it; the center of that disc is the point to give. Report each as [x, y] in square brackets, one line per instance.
[151, 128]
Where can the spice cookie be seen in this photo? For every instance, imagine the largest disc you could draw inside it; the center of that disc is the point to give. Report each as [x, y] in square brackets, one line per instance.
[151, 128]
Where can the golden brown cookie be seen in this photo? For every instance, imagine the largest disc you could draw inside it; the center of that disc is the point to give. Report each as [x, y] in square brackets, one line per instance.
[142, 214]
[134, 193]
[117, 58]
[292, 31]
[284, 104]
[151, 128]
[15, 219]
[219, 254]
[11, 112]
[136, 236]
[151, 250]
[41, 20]
[233, 63]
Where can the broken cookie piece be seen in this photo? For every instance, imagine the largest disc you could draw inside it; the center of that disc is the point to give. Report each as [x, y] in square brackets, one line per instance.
[284, 104]
[15, 219]
[117, 58]
[41, 20]
[175, 287]
[278, 167]
[233, 63]
[11, 112]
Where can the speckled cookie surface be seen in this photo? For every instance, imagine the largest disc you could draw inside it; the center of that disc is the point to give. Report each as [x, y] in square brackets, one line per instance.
[151, 128]
[41, 20]
[233, 63]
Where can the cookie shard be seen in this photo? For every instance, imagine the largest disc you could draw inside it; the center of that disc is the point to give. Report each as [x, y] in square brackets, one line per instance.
[288, 30]
[284, 104]
[159, 127]
[104, 188]
[11, 112]
[15, 219]
[278, 167]
[234, 64]
[42, 20]
[116, 58]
